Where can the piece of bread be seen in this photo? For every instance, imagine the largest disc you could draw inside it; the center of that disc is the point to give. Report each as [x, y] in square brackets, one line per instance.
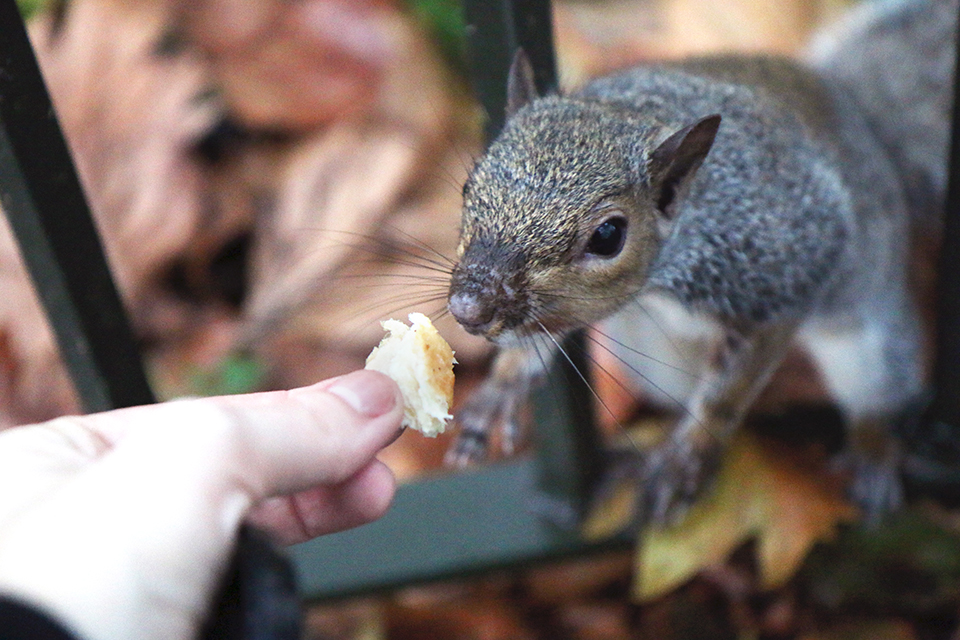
[421, 362]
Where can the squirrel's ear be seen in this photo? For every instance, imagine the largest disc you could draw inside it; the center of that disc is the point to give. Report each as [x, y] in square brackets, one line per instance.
[521, 89]
[673, 164]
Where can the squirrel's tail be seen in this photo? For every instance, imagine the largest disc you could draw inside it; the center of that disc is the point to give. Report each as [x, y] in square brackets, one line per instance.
[896, 58]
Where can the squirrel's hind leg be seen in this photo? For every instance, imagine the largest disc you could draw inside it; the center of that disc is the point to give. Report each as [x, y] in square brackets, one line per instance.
[873, 371]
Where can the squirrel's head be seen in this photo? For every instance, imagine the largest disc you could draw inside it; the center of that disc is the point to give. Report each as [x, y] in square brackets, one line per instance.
[564, 213]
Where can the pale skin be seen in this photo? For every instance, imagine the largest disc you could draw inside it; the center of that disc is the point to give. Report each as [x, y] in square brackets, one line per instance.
[119, 524]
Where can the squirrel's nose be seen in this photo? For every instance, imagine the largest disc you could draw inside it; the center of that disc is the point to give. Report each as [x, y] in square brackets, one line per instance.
[470, 312]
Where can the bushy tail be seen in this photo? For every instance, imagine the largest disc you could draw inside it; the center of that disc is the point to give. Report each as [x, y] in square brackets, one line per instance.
[896, 57]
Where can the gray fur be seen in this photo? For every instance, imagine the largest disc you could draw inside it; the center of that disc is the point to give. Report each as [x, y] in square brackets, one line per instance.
[896, 59]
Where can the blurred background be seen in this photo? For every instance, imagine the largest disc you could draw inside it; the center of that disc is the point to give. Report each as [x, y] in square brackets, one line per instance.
[271, 178]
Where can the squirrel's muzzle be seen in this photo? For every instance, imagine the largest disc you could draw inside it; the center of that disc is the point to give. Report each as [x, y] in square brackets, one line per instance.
[473, 290]
[469, 310]
[486, 300]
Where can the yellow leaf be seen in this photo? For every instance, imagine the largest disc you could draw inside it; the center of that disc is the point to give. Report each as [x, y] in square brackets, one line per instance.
[778, 494]
[803, 503]
[613, 514]
[615, 507]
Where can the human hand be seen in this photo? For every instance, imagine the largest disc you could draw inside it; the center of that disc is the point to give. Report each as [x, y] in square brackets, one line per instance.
[120, 523]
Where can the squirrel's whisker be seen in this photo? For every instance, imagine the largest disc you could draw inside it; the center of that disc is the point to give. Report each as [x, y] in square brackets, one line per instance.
[663, 332]
[405, 301]
[417, 242]
[647, 356]
[680, 404]
[437, 316]
[581, 374]
[407, 279]
[392, 252]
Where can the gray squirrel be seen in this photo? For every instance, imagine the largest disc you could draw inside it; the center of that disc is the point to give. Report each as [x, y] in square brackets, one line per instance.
[708, 215]
[895, 58]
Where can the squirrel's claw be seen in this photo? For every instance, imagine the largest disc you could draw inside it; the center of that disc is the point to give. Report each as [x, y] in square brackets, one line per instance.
[474, 422]
[873, 460]
[469, 447]
[477, 420]
[674, 476]
[493, 410]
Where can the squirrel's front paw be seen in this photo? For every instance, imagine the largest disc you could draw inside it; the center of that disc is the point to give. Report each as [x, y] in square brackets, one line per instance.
[674, 476]
[472, 441]
[469, 447]
[479, 418]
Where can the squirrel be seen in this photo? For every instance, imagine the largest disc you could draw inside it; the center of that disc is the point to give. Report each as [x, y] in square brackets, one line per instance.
[896, 58]
[726, 209]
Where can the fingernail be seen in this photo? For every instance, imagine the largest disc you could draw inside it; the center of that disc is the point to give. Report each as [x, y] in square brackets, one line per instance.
[366, 392]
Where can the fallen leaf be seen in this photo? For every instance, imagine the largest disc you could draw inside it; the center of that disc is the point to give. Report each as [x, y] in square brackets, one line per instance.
[131, 117]
[614, 512]
[362, 222]
[615, 501]
[781, 496]
[297, 66]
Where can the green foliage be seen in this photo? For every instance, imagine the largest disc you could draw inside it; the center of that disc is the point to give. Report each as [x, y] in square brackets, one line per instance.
[908, 566]
[238, 373]
[444, 20]
[29, 7]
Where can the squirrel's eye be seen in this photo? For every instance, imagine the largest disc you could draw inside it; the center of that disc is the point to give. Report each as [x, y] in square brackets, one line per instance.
[607, 239]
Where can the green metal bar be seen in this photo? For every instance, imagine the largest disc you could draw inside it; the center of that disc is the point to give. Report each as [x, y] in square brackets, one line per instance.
[569, 447]
[47, 209]
[495, 30]
[442, 527]
[43, 199]
[568, 444]
[501, 515]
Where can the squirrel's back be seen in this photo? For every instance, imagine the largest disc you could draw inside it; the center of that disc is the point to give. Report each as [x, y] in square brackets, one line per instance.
[896, 59]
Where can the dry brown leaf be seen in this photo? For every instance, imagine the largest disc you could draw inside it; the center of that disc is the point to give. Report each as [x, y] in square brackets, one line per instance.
[779, 495]
[439, 613]
[131, 117]
[297, 66]
[593, 38]
[337, 189]
[361, 209]
[596, 621]
[584, 578]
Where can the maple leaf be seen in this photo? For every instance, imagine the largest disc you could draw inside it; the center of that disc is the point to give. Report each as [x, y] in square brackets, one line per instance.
[780, 495]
